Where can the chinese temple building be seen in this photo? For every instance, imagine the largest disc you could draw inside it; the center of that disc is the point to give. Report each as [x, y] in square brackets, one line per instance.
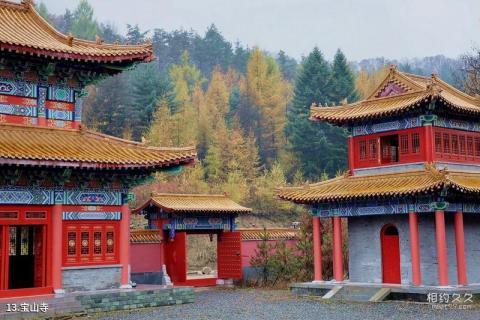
[175, 216]
[64, 218]
[411, 195]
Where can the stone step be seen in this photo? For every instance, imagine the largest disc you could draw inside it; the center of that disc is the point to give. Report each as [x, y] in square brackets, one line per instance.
[380, 295]
[330, 294]
[354, 293]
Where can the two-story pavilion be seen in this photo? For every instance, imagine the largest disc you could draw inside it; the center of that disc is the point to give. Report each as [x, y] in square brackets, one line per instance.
[411, 196]
[64, 218]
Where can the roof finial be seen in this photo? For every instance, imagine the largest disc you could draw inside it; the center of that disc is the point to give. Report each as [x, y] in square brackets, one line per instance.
[433, 87]
[344, 102]
[98, 39]
[392, 69]
[70, 39]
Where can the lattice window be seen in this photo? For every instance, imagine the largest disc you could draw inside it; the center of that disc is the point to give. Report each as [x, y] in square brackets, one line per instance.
[454, 144]
[415, 143]
[438, 142]
[373, 149]
[404, 144]
[110, 242]
[462, 145]
[72, 243]
[24, 238]
[446, 143]
[477, 147]
[90, 243]
[363, 149]
[97, 242]
[470, 146]
[84, 244]
[12, 241]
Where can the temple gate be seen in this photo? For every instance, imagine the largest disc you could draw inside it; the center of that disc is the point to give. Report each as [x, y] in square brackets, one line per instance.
[177, 216]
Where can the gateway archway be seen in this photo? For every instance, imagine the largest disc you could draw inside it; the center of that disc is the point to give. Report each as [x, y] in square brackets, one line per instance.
[177, 216]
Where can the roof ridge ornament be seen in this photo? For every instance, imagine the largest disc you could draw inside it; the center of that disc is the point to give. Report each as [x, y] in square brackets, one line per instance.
[438, 174]
[433, 88]
[70, 39]
[98, 39]
[392, 69]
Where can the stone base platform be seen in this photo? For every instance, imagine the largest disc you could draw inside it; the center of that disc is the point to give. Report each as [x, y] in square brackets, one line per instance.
[143, 296]
[368, 292]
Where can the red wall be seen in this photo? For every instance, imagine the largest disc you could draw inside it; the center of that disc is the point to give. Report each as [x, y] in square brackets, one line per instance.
[146, 257]
[250, 246]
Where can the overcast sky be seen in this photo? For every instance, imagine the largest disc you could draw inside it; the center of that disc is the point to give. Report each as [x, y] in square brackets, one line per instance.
[361, 28]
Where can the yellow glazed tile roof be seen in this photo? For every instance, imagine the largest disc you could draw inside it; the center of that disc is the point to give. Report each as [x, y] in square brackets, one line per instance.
[347, 188]
[418, 91]
[32, 145]
[255, 234]
[23, 30]
[195, 203]
[145, 236]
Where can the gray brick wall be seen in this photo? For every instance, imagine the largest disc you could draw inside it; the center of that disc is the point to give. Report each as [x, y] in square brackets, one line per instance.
[91, 279]
[365, 248]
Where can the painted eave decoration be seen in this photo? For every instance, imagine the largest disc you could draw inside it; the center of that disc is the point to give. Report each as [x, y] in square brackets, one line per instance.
[73, 148]
[347, 187]
[199, 203]
[24, 31]
[398, 93]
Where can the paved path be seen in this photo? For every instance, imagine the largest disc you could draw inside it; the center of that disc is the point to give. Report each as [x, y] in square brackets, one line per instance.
[276, 304]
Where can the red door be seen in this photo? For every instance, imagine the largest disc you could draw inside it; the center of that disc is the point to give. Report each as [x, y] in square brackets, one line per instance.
[390, 255]
[175, 258]
[229, 255]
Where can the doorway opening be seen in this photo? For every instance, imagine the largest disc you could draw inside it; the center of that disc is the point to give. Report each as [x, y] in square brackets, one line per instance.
[201, 256]
[390, 243]
[389, 147]
[25, 256]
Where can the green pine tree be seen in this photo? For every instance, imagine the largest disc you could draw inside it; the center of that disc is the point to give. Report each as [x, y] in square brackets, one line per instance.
[319, 146]
[148, 86]
[342, 80]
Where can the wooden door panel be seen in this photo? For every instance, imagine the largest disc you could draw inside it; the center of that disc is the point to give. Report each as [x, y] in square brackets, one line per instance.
[391, 259]
[229, 255]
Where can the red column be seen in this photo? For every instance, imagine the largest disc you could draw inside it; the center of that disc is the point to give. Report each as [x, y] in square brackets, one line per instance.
[428, 143]
[57, 248]
[317, 249]
[460, 249]
[350, 154]
[337, 249]
[414, 249]
[125, 246]
[441, 248]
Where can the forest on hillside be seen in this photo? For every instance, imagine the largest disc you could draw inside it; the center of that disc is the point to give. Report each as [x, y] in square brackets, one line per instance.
[244, 109]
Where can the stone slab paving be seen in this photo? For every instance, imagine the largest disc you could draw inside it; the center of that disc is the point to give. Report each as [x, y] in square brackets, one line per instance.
[281, 304]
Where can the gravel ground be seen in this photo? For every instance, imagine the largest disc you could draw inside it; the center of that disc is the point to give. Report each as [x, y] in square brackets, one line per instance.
[280, 304]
